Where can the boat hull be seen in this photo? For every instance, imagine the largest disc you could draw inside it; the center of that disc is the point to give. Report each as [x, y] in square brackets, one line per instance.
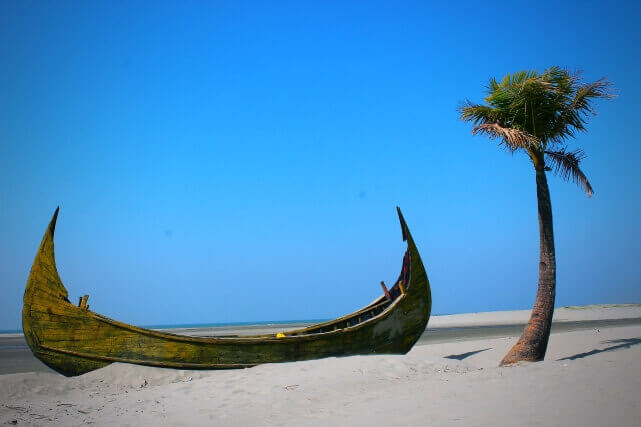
[74, 340]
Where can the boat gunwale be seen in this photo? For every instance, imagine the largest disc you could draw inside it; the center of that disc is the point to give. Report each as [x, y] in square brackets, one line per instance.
[381, 300]
[245, 339]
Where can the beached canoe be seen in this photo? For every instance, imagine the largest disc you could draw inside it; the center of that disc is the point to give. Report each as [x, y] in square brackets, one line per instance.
[73, 340]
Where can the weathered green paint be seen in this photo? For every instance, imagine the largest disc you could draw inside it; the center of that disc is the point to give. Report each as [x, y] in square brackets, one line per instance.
[74, 340]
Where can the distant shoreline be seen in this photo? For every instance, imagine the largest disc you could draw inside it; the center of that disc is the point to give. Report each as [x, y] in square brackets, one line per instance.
[16, 357]
[488, 318]
[195, 326]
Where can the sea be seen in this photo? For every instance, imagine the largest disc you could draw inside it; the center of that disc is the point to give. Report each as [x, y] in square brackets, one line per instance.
[208, 325]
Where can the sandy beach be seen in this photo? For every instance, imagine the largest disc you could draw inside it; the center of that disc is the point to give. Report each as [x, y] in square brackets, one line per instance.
[591, 376]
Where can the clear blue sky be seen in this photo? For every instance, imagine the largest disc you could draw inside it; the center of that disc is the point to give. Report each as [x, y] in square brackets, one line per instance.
[228, 161]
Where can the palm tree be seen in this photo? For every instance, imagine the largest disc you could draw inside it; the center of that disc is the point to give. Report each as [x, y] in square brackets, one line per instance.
[537, 113]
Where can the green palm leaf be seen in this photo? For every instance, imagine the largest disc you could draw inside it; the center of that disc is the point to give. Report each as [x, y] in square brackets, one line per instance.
[533, 111]
[566, 165]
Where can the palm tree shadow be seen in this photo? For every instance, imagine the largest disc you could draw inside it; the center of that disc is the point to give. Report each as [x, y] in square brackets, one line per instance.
[465, 355]
[622, 343]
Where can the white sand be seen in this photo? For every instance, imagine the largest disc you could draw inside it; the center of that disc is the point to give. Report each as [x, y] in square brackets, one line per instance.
[599, 386]
[561, 314]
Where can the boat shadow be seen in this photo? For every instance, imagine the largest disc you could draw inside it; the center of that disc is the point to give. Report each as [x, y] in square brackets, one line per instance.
[465, 355]
[620, 343]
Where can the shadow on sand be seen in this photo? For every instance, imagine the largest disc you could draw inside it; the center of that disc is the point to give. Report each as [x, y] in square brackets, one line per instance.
[622, 343]
[465, 355]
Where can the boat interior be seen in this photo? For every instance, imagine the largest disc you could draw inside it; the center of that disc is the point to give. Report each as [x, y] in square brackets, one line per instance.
[375, 308]
[372, 310]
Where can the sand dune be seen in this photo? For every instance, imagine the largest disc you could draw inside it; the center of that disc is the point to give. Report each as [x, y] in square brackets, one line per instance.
[590, 377]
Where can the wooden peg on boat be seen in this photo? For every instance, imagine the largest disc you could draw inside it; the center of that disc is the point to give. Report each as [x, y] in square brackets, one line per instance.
[387, 295]
[83, 302]
[401, 286]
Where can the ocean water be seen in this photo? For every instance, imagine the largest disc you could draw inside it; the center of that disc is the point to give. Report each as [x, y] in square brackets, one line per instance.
[232, 324]
[206, 325]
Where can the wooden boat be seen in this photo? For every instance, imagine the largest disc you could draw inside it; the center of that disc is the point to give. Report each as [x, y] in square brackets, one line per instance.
[73, 340]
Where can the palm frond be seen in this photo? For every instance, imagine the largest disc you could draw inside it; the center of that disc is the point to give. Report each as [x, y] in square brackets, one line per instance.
[477, 114]
[586, 93]
[512, 138]
[536, 111]
[566, 165]
[493, 86]
[577, 106]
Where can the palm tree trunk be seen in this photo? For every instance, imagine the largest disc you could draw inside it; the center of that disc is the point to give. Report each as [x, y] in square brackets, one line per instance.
[534, 341]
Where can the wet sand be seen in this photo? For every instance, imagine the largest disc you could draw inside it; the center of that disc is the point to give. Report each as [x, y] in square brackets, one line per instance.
[16, 357]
